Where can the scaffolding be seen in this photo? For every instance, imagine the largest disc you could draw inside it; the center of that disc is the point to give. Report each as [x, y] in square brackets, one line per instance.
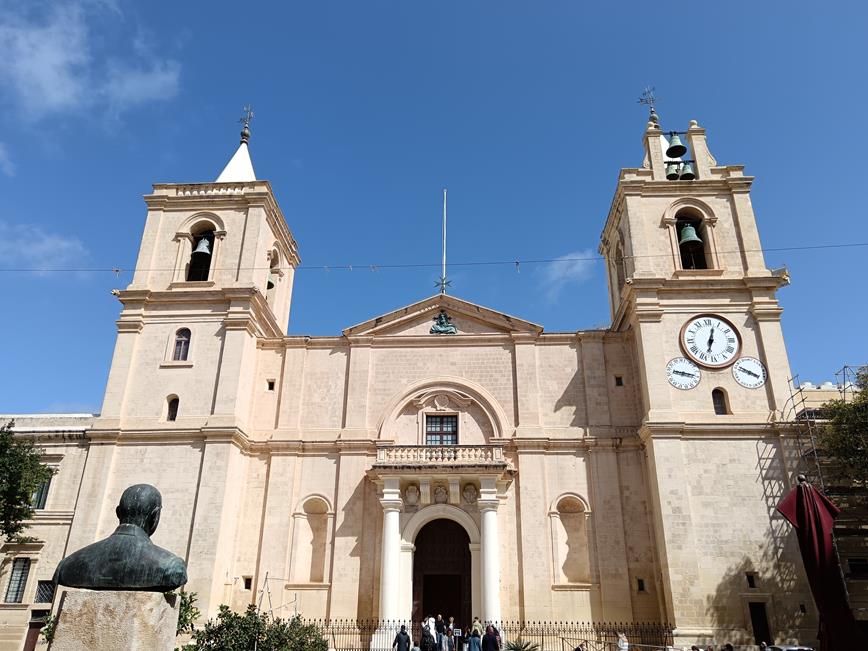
[803, 414]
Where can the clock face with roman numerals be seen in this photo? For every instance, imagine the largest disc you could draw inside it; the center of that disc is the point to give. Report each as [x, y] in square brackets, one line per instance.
[710, 340]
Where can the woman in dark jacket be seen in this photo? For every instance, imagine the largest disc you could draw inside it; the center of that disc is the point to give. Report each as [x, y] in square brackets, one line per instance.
[489, 640]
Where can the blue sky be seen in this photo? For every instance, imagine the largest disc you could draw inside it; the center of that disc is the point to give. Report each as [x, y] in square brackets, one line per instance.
[365, 110]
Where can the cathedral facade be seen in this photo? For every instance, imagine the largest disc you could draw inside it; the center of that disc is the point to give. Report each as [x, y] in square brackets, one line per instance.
[625, 474]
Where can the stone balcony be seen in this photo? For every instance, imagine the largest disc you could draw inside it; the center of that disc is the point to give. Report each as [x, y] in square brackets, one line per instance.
[444, 457]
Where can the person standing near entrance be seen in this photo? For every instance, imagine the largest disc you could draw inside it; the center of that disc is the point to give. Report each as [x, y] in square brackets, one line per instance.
[440, 627]
[402, 640]
[474, 641]
[477, 626]
[489, 640]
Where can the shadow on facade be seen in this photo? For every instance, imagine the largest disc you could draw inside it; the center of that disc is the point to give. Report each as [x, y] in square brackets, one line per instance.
[773, 576]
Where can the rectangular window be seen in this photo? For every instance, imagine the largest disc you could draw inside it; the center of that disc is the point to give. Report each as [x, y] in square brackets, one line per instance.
[858, 568]
[619, 380]
[248, 582]
[41, 495]
[640, 585]
[270, 384]
[17, 580]
[751, 579]
[44, 592]
[441, 430]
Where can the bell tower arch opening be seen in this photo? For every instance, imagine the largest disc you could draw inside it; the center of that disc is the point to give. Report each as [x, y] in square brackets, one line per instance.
[442, 581]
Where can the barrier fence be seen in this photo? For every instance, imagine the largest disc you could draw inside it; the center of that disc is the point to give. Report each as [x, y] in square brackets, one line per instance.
[378, 635]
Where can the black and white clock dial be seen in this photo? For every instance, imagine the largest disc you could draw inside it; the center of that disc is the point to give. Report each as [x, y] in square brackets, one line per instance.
[710, 340]
[749, 372]
[682, 373]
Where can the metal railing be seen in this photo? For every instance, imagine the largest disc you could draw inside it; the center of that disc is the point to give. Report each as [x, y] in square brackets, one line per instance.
[376, 635]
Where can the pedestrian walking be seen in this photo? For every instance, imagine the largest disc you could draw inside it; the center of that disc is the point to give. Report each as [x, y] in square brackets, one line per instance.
[474, 641]
[402, 640]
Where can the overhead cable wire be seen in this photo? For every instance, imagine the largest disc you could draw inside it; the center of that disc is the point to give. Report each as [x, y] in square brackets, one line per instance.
[428, 265]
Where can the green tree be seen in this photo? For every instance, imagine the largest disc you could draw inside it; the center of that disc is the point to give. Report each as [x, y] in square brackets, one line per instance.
[187, 612]
[21, 475]
[238, 632]
[844, 436]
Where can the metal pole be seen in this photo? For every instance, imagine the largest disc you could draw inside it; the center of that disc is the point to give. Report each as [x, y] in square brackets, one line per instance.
[443, 266]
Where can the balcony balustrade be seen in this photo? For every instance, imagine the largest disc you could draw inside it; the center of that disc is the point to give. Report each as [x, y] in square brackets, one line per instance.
[433, 456]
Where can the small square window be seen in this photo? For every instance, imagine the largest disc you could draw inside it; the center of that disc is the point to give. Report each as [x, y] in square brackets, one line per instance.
[270, 384]
[248, 582]
[751, 579]
[44, 592]
[640, 585]
[619, 380]
[803, 609]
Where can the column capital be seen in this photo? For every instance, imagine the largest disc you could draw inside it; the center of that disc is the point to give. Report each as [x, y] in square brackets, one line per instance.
[392, 504]
[489, 504]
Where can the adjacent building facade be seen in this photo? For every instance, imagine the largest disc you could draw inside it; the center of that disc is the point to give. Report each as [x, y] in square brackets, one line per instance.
[447, 457]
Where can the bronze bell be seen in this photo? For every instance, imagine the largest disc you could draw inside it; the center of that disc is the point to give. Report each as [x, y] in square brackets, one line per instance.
[676, 149]
[689, 236]
[202, 247]
[687, 173]
[672, 171]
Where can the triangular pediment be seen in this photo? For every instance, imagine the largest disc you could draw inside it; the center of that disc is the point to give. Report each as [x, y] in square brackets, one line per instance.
[418, 318]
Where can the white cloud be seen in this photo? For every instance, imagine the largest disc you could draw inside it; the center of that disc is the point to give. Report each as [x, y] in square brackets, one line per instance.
[50, 65]
[26, 246]
[570, 269]
[127, 86]
[6, 164]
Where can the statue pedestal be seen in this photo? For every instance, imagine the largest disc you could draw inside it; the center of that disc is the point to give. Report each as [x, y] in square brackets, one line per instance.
[103, 620]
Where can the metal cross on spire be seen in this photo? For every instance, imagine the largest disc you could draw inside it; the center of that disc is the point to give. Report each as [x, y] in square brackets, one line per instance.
[245, 120]
[443, 283]
[648, 98]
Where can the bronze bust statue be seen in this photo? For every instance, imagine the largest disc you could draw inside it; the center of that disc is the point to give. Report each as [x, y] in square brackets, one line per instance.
[127, 559]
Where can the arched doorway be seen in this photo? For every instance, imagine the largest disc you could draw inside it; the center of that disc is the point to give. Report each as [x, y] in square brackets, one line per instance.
[442, 572]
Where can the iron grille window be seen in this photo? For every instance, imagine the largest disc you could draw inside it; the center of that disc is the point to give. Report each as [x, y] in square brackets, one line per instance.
[44, 592]
[441, 430]
[17, 580]
[41, 495]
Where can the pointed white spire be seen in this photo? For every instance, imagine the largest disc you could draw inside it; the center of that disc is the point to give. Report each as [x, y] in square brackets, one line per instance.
[239, 169]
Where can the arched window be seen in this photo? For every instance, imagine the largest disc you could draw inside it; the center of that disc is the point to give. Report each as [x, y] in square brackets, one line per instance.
[273, 274]
[172, 408]
[718, 398]
[572, 561]
[619, 267]
[691, 242]
[182, 345]
[200, 259]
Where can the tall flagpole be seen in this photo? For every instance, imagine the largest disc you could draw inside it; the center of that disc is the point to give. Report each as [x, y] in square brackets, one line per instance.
[443, 266]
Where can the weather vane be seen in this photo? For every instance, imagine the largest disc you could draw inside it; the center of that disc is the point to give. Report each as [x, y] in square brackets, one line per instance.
[648, 98]
[245, 120]
[443, 283]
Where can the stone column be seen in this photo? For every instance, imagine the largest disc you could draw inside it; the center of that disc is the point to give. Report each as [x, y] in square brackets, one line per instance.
[390, 564]
[490, 553]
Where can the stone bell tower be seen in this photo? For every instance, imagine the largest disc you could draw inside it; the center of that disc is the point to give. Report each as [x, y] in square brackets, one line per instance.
[688, 280]
[214, 275]
[214, 272]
